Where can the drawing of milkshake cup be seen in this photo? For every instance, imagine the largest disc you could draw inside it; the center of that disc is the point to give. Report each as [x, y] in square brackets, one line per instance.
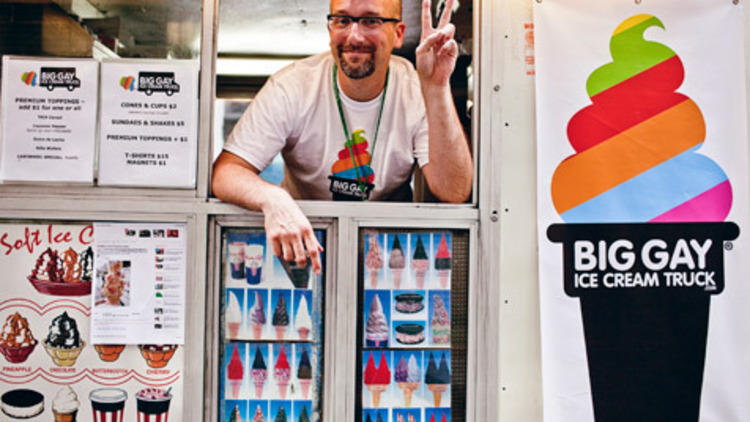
[253, 263]
[108, 404]
[153, 405]
[237, 260]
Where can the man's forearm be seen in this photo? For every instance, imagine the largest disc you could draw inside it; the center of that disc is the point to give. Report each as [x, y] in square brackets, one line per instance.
[450, 171]
[237, 184]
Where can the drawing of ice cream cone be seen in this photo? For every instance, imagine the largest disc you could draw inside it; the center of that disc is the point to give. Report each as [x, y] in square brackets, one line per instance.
[437, 378]
[443, 262]
[235, 372]
[157, 355]
[257, 316]
[302, 321]
[396, 262]
[282, 373]
[280, 319]
[304, 373]
[373, 261]
[63, 343]
[420, 263]
[407, 377]
[377, 379]
[258, 373]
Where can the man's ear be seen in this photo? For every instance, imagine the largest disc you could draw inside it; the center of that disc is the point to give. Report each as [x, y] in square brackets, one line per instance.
[400, 30]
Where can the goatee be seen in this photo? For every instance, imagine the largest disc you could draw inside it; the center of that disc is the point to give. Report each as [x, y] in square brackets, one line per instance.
[360, 71]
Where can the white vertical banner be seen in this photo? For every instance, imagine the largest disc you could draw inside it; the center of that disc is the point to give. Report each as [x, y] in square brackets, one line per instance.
[642, 193]
[148, 123]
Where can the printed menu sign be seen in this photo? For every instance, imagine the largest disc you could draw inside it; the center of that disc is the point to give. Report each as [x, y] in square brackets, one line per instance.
[51, 369]
[148, 130]
[139, 283]
[48, 119]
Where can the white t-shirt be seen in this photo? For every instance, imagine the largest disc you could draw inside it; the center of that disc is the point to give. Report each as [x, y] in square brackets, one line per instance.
[295, 113]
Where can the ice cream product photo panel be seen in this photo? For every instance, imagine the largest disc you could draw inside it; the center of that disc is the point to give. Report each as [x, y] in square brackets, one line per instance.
[277, 342]
[376, 379]
[374, 260]
[420, 259]
[396, 257]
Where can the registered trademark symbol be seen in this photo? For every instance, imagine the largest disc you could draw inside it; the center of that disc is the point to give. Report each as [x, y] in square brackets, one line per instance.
[728, 246]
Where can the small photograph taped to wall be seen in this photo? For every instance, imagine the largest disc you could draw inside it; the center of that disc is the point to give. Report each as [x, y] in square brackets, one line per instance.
[113, 283]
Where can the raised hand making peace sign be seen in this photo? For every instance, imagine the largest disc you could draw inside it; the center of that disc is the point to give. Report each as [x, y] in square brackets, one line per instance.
[437, 51]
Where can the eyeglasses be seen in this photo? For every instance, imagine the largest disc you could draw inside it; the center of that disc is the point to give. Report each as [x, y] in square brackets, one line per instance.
[367, 23]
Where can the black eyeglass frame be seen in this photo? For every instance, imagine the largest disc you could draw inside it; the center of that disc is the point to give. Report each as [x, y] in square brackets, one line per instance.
[356, 19]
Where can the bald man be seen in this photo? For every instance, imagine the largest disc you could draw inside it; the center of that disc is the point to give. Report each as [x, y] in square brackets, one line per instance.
[350, 124]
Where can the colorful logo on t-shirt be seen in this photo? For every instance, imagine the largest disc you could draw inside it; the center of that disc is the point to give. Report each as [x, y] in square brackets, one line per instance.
[29, 78]
[127, 83]
[636, 145]
[351, 175]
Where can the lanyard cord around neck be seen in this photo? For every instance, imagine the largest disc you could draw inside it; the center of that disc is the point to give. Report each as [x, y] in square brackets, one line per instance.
[350, 141]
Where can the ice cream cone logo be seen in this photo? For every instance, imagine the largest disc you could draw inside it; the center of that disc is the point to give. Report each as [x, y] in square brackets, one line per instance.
[636, 184]
[29, 78]
[351, 175]
[127, 83]
[636, 146]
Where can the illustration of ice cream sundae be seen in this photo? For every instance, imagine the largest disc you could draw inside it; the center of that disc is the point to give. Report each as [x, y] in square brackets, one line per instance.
[376, 328]
[257, 316]
[396, 262]
[253, 263]
[407, 377]
[420, 263]
[153, 404]
[304, 373]
[109, 352]
[66, 275]
[637, 175]
[233, 316]
[376, 379]
[303, 322]
[108, 404]
[157, 355]
[373, 260]
[443, 262]
[237, 260]
[282, 373]
[235, 372]
[258, 416]
[258, 373]
[437, 378]
[280, 319]
[441, 323]
[63, 343]
[114, 284]
[16, 340]
[65, 405]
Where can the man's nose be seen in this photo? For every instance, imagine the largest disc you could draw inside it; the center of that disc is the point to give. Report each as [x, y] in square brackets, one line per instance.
[355, 31]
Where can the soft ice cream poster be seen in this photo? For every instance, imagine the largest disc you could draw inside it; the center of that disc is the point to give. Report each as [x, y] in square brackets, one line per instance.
[48, 358]
[642, 208]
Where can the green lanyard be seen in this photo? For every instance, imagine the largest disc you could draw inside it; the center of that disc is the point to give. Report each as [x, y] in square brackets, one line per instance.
[350, 141]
